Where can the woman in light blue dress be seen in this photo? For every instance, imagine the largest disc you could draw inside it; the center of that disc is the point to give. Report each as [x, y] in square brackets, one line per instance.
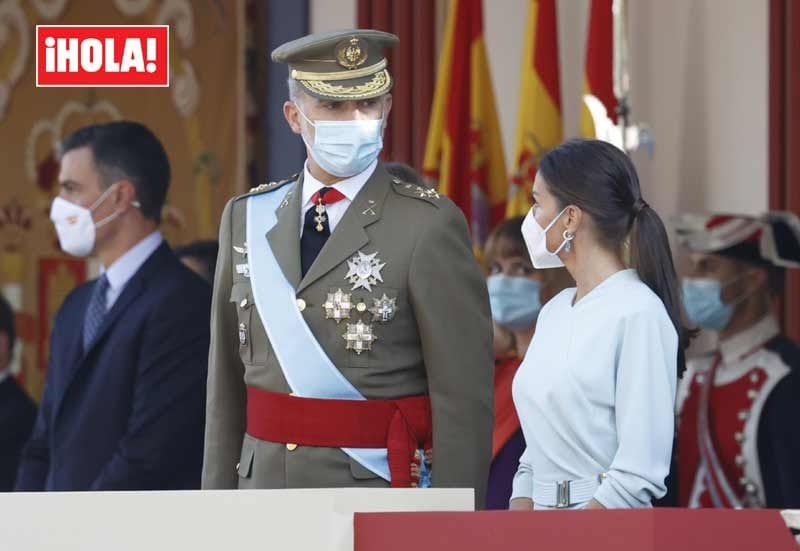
[596, 392]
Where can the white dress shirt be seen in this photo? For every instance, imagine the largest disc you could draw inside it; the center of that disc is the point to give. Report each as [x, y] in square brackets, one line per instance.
[348, 187]
[596, 393]
[126, 266]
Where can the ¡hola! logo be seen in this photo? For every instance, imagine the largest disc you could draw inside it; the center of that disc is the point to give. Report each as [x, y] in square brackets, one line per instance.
[97, 55]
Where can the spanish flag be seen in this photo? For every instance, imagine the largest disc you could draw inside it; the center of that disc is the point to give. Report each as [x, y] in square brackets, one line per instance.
[464, 149]
[539, 126]
[598, 75]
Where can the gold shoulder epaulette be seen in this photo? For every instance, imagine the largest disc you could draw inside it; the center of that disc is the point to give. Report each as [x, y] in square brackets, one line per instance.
[271, 186]
[416, 191]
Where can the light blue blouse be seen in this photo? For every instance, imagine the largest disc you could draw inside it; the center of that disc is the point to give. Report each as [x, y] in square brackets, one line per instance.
[596, 393]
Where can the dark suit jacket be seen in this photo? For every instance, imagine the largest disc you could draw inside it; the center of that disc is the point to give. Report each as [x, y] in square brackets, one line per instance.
[129, 413]
[17, 414]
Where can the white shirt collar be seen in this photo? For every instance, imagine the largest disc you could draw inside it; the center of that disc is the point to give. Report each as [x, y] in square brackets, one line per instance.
[124, 268]
[748, 341]
[349, 187]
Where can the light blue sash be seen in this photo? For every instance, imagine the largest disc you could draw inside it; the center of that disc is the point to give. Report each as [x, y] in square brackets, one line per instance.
[305, 365]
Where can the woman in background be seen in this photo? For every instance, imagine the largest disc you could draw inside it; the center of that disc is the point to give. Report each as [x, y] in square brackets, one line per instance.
[596, 391]
[517, 292]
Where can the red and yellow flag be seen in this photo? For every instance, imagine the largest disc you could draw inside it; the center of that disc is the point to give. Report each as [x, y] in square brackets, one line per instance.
[598, 75]
[464, 150]
[539, 126]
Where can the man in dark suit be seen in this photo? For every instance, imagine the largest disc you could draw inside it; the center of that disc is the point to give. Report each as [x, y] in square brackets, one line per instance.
[17, 410]
[123, 404]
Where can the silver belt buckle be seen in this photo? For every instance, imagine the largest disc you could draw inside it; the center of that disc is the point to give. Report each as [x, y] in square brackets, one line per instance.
[562, 499]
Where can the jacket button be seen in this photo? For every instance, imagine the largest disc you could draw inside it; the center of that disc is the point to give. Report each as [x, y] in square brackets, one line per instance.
[237, 467]
[291, 447]
[301, 304]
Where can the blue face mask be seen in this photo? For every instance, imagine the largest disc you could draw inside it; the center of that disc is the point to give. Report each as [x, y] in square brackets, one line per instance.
[514, 300]
[345, 148]
[702, 299]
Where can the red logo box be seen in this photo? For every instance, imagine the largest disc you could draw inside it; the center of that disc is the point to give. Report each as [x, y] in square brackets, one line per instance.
[102, 55]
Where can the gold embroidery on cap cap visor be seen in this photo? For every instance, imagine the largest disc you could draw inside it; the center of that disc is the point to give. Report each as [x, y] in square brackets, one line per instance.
[378, 85]
[341, 75]
[351, 53]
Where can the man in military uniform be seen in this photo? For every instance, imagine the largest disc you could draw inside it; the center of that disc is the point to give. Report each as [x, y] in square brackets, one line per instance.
[351, 332]
[738, 439]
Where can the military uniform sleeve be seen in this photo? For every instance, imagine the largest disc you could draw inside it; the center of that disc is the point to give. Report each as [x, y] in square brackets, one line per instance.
[779, 444]
[226, 394]
[448, 294]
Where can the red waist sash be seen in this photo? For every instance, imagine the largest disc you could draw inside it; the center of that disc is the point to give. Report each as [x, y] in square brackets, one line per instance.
[403, 426]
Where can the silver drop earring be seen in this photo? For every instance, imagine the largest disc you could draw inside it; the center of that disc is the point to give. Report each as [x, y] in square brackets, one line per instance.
[568, 237]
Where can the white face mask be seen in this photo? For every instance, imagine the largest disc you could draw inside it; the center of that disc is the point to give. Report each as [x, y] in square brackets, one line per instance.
[74, 224]
[536, 240]
[345, 148]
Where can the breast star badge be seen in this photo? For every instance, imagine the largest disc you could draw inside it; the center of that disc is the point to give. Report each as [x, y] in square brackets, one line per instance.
[383, 309]
[364, 271]
[338, 306]
[359, 337]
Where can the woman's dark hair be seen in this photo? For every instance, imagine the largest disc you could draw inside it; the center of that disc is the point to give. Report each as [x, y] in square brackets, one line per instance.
[506, 239]
[601, 180]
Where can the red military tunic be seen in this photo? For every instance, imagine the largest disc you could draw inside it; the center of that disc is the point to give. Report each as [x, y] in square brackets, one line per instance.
[720, 402]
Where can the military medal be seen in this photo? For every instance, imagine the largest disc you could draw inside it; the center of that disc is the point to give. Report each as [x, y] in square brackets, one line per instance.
[338, 306]
[243, 269]
[241, 250]
[383, 308]
[320, 217]
[364, 271]
[359, 337]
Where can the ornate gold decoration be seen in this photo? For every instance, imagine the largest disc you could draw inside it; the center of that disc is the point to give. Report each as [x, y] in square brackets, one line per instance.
[351, 53]
[379, 84]
[347, 75]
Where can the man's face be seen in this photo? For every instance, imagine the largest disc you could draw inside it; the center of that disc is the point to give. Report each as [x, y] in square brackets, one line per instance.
[736, 278]
[81, 183]
[328, 110]
[79, 178]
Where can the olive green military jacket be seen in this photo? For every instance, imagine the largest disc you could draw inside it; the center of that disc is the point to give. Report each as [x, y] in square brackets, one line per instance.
[437, 342]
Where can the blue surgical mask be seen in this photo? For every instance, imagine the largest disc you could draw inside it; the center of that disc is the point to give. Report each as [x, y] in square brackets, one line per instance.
[515, 301]
[345, 148]
[702, 299]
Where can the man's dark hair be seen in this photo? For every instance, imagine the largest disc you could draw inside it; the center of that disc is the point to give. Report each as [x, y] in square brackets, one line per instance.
[127, 150]
[205, 252]
[7, 323]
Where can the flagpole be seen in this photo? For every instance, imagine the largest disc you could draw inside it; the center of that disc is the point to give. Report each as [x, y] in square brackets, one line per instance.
[621, 74]
[626, 135]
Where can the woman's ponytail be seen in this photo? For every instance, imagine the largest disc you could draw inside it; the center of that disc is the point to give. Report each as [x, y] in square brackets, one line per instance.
[652, 258]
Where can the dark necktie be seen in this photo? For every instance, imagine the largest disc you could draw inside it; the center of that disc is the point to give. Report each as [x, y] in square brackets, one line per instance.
[316, 228]
[96, 312]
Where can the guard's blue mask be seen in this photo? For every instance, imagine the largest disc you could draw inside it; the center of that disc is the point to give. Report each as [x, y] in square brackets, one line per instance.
[514, 300]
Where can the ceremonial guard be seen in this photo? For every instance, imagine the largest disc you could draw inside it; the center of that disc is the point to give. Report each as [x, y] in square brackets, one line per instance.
[738, 437]
[351, 331]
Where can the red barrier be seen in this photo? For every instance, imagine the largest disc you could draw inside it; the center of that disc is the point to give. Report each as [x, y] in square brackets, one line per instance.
[613, 530]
